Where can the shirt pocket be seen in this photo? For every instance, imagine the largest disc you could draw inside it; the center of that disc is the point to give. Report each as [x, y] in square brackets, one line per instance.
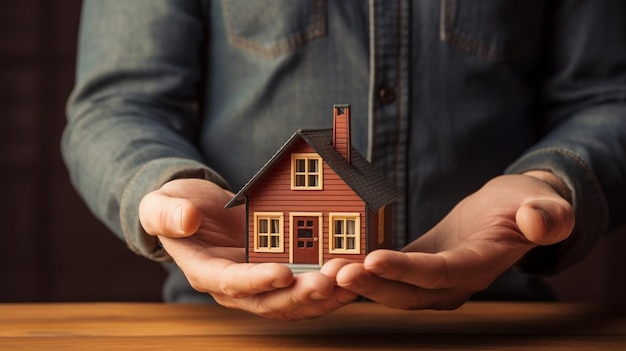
[273, 28]
[492, 29]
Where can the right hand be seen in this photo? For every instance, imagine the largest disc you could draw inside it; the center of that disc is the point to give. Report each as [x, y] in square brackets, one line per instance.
[207, 240]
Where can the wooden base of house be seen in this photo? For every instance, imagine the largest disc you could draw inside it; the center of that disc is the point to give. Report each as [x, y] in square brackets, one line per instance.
[302, 268]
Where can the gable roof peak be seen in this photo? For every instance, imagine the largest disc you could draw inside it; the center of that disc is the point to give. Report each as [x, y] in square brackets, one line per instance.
[360, 175]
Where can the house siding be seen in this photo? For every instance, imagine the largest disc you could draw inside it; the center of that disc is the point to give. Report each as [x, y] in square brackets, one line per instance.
[273, 194]
[374, 227]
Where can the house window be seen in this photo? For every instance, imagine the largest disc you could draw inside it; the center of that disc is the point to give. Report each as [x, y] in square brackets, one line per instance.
[345, 233]
[306, 172]
[268, 232]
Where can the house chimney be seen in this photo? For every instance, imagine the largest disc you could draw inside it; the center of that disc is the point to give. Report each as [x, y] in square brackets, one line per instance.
[341, 130]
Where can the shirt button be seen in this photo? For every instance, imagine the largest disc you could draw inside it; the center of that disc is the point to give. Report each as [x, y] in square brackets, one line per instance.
[386, 94]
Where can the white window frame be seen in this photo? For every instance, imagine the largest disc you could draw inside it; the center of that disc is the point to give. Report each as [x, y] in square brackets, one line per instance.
[344, 217]
[269, 216]
[306, 173]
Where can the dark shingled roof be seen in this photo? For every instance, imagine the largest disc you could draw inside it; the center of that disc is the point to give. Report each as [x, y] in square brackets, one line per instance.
[360, 175]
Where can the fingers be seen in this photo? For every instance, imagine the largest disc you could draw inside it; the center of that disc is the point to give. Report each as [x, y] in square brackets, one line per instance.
[547, 218]
[461, 267]
[317, 308]
[420, 269]
[267, 289]
[242, 279]
[332, 267]
[217, 269]
[419, 280]
[397, 294]
[160, 214]
[310, 295]
[377, 263]
[305, 288]
[545, 222]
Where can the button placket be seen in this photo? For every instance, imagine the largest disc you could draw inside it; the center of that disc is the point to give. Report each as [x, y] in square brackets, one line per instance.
[389, 98]
[386, 94]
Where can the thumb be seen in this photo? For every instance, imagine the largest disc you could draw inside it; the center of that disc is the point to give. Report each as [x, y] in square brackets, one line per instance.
[174, 217]
[545, 222]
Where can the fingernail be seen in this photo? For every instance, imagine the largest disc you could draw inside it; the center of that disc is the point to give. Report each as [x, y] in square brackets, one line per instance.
[377, 269]
[278, 285]
[547, 224]
[352, 286]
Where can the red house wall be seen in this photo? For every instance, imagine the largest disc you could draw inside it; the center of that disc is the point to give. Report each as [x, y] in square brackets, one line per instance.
[273, 194]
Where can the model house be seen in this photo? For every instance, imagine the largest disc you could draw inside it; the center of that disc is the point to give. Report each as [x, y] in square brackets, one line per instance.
[316, 199]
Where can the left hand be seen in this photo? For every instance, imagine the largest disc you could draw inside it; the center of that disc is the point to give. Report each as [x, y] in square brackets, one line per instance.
[483, 236]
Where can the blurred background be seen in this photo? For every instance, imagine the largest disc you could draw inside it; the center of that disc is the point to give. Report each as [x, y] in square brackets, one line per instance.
[51, 247]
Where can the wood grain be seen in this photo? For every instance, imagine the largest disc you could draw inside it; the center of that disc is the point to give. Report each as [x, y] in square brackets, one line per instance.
[359, 326]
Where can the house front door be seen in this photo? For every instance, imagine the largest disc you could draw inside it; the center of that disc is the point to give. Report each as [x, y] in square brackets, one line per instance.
[306, 240]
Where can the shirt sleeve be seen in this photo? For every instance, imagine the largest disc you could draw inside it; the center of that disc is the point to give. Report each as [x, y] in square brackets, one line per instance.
[133, 114]
[584, 99]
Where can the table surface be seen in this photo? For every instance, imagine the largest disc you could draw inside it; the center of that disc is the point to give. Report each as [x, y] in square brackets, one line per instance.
[359, 326]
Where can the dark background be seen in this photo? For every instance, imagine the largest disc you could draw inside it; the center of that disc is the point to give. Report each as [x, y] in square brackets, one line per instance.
[51, 247]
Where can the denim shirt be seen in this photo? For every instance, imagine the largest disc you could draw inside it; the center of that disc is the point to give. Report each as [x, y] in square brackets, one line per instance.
[445, 95]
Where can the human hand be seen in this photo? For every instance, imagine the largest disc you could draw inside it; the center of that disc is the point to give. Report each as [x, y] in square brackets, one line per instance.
[484, 235]
[206, 241]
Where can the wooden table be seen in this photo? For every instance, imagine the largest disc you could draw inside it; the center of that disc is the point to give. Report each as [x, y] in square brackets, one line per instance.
[360, 326]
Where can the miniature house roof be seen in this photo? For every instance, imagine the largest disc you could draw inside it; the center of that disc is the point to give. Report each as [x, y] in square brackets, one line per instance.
[360, 175]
